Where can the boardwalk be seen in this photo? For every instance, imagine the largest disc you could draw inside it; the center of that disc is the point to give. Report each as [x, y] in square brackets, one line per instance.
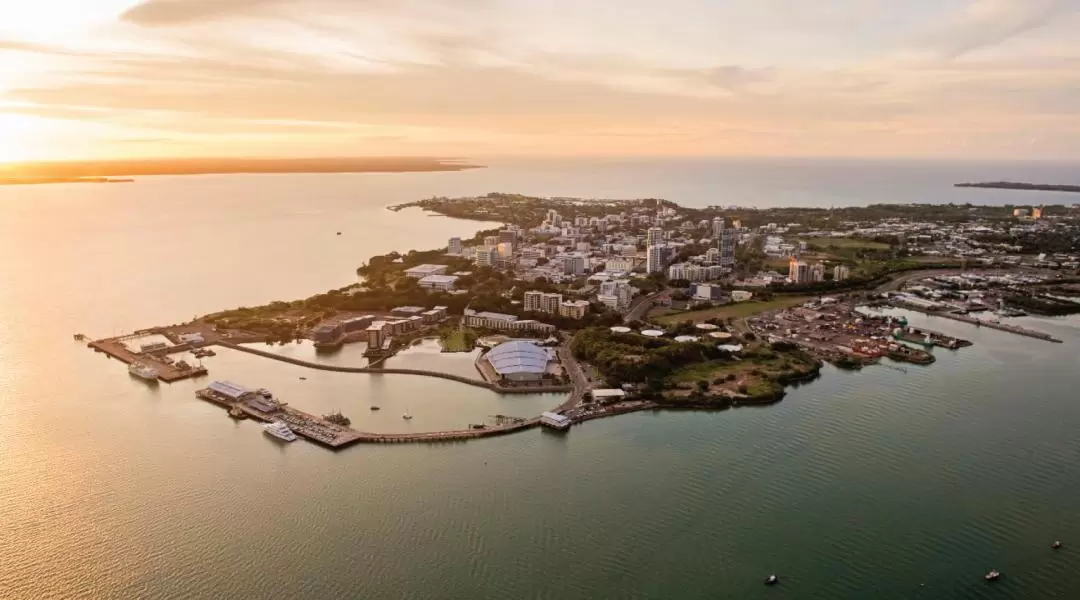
[391, 371]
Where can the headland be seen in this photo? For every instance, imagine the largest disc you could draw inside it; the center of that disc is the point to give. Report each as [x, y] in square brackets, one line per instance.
[1015, 185]
[629, 305]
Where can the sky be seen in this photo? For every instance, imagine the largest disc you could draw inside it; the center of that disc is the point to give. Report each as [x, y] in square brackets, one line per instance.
[99, 79]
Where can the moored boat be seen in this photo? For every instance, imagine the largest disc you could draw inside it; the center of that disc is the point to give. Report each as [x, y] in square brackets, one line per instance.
[143, 371]
[993, 575]
[279, 430]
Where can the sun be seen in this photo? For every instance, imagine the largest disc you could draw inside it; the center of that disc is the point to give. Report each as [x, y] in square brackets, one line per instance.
[19, 135]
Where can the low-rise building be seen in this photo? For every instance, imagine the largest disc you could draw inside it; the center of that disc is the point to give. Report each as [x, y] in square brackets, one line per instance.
[438, 282]
[503, 322]
[574, 309]
[421, 271]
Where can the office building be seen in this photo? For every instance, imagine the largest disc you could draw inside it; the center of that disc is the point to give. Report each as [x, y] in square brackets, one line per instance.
[454, 247]
[508, 236]
[817, 272]
[654, 236]
[574, 264]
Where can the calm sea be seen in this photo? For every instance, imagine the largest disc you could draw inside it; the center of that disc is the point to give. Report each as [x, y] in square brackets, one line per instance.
[881, 484]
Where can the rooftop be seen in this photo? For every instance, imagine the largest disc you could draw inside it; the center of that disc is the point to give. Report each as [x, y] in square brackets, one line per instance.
[518, 357]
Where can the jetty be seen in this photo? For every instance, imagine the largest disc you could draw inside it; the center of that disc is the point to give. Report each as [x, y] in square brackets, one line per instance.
[955, 316]
[260, 406]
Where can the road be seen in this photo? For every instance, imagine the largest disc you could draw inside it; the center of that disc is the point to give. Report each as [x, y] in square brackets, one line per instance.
[641, 306]
[577, 377]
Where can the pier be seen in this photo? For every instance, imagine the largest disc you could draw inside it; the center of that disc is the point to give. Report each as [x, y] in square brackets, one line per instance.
[981, 323]
[167, 372]
[333, 436]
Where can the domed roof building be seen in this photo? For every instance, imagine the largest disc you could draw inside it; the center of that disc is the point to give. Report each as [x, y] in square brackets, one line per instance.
[519, 360]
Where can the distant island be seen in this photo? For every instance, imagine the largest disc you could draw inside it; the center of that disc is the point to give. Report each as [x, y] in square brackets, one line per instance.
[43, 180]
[101, 171]
[1013, 185]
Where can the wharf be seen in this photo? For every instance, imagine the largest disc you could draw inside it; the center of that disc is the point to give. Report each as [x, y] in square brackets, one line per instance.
[115, 348]
[327, 434]
[982, 323]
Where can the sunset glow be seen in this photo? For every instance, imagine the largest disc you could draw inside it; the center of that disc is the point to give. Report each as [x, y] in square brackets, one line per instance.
[123, 78]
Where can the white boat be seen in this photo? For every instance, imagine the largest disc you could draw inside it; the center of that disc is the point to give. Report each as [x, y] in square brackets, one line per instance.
[406, 416]
[992, 575]
[143, 371]
[772, 580]
[280, 430]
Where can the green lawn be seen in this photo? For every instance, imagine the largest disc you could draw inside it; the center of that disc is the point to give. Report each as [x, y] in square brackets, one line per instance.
[737, 310]
[845, 243]
[458, 340]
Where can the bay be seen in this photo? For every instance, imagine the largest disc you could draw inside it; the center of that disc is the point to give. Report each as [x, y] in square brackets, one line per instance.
[877, 484]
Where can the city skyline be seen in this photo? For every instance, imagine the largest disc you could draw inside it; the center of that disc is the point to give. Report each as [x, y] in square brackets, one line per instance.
[487, 78]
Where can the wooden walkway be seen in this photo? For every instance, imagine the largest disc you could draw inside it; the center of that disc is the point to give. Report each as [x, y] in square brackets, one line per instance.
[393, 371]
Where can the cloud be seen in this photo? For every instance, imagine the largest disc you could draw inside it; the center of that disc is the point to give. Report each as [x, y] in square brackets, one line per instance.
[163, 13]
[988, 23]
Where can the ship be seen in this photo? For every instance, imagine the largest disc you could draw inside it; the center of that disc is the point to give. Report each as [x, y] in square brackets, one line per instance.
[143, 371]
[337, 418]
[279, 430]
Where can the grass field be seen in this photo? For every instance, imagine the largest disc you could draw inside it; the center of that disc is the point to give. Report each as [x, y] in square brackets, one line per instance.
[846, 243]
[735, 311]
[458, 340]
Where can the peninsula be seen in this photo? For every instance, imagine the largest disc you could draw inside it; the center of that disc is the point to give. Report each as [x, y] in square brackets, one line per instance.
[1014, 185]
[663, 306]
[77, 171]
[46, 180]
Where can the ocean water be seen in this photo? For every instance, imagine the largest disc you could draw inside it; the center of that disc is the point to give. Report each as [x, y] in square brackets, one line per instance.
[878, 484]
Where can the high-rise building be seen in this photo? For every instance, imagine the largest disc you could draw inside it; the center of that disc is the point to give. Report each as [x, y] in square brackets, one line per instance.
[1037, 212]
[840, 273]
[491, 240]
[616, 294]
[549, 303]
[508, 236]
[798, 271]
[581, 221]
[656, 259]
[454, 247]
[532, 301]
[574, 309]
[712, 256]
[727, 249]
[736, 224]
[554, 218]
[654, 236]
[506, 250]
[817, 272]
[718, 226]
[487, 256]
[574, 264]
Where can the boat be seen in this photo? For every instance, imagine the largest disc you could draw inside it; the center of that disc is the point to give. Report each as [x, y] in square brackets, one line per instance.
[279, 430]
[1055, 545]
[236, 413]
[337, 418]
[303, 379]
[143, 371]
[406, 416]
[992, 575]
[771, 580]
[374, 408]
